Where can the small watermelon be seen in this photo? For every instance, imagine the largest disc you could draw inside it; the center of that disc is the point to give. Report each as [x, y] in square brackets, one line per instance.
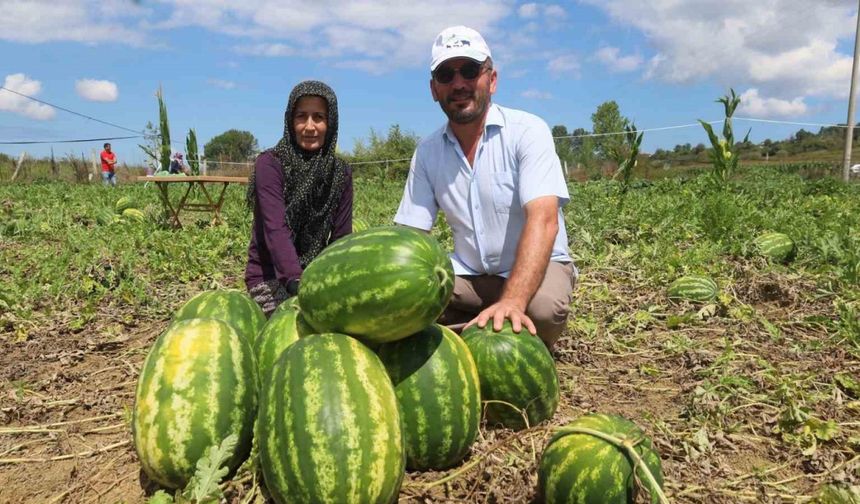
[230, 305]
[695, 288]
[123, 204]
[133, 215]
[517, 369]
[581, 468]
[777, 247]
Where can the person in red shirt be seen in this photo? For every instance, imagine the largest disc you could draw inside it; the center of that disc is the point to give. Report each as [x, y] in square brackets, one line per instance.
[108, 166]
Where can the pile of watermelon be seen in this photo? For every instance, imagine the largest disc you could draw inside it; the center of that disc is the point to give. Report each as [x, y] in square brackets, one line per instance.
[125, 210]
[352, 382]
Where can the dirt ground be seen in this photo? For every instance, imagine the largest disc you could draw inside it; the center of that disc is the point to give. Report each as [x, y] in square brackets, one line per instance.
[710, 391]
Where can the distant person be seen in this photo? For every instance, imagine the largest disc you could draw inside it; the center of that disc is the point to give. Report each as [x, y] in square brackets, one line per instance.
[176, 164]
[108, 166]
[494, 173]
[301, 195]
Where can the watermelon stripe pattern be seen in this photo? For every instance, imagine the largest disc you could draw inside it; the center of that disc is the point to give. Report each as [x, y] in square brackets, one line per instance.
[280, 332]
[379, 285]
[515, 368]
[330, 428]
[437, 387]
[197, 386]
[584, 469]
[230, 305]
[694, 288]
[778, 247]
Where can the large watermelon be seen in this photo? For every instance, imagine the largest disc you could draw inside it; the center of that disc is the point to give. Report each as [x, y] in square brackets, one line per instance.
[379, 285]
[437, 388]
[578, 468]
[329, 426]
[695, 288]
[230, 305]
[281, 331]
[133, 215]
[515, 368]
[777, 247]
[197, 386]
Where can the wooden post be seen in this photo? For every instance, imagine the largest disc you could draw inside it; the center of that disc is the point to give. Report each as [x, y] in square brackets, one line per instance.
[19, 165]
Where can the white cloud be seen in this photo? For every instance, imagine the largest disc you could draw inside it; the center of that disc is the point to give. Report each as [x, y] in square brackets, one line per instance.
[567, 63]
[265, 49]
[97, 90]
[554, 11]
[10, 102]
[221, 83]
[534, 94]
[87, 21]
[528, 10]
[784, 48]
[609, 56]
[755, 105]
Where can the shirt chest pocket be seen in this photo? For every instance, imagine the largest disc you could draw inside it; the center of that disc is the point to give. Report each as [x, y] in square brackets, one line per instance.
[504, 192]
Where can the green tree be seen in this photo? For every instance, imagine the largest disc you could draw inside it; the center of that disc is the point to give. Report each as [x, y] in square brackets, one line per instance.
[191, 152]
[232, 145]
[563, 146]
[392, 152]
[608, 119]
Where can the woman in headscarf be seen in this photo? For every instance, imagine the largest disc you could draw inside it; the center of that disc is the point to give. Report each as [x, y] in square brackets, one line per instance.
[301, 195]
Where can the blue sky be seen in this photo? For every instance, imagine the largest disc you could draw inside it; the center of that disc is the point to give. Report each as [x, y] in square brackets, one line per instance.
[229, 64]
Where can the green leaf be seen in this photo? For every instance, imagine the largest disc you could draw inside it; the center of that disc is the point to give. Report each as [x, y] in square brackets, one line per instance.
[211, 469]
[160, 497]
[838, 494]
[821, 429]
[848, 385]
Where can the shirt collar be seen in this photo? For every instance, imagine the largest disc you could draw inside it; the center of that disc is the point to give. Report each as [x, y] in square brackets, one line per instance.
[494, 118]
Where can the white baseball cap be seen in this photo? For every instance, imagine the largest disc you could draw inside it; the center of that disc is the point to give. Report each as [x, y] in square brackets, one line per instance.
[458, 42]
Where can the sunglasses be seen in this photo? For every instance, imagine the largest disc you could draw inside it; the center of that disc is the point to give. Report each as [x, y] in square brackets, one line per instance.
[469, 71]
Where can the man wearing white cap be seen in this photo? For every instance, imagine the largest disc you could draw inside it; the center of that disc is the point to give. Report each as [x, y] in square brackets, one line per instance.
[494, 173]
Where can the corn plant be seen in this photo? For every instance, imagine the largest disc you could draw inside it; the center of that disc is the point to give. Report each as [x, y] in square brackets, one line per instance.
[164, 131]
[724, 161]
[628, 163]
[191, 150]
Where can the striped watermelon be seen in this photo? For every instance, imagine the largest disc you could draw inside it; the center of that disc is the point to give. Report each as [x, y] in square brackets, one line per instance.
[124, 203]
[777, 247]
[578, 468]
[693, 288]
[515, 368]
[133, 215]
[329, 426]
[281, 331]
[437, 388]
[230, 305]
[105, 217]
[379, 285]
[359, 225]
[197, 386]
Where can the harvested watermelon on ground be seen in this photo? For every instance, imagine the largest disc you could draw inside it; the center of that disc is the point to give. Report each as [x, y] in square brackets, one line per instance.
[329, 428]
[230, 305]
[517, 371]
[695, 288]
[777, 247]
[437, 388]
[583, 468]
[197, 386]
[378, 285]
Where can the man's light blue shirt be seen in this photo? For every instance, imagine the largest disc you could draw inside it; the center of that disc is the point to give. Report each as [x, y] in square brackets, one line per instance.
[515, 163]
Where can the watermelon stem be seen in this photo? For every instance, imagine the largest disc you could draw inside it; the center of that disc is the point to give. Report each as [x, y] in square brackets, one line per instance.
[441, 274]
[629, 446]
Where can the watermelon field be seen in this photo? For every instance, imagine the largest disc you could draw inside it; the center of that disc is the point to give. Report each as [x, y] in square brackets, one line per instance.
[752, 395]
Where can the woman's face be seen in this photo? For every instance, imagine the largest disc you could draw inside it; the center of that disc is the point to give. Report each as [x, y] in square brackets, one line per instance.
[310, 122]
